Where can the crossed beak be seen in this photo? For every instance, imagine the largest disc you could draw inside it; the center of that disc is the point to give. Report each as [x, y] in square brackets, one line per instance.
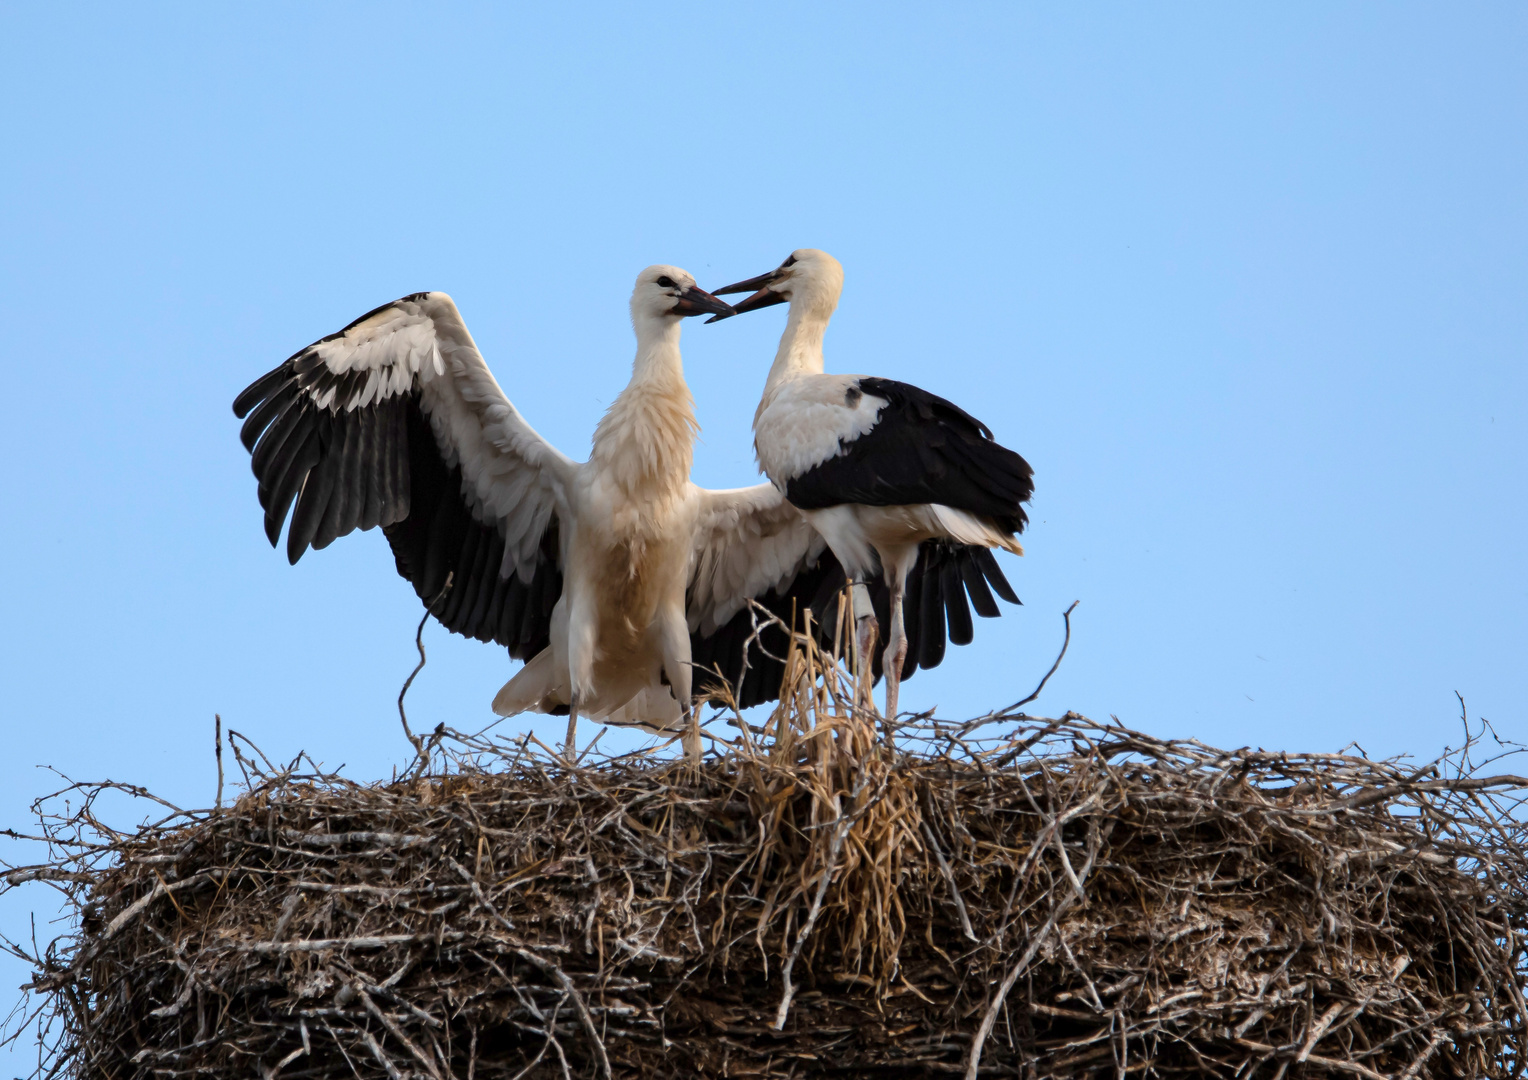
[764, 297]
[696, 301]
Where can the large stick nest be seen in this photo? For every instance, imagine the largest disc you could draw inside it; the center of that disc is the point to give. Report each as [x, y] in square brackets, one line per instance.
[1060, 898]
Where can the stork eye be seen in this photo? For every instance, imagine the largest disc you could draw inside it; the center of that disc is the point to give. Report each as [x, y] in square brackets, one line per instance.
[788, 262]
[667, 282]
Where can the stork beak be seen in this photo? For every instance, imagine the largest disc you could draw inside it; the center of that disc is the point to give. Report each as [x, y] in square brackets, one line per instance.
[763, 298]
[696, 301]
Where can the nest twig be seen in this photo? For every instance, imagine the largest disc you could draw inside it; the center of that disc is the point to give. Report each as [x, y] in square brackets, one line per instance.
[1020, 896]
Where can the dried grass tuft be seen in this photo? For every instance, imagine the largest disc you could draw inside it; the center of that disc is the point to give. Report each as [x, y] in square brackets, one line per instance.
[1015, 896]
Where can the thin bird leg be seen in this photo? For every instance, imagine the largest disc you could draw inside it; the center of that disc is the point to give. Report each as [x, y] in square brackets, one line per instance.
[570, 748]
[691, 738]
[894, 657]
[865, 631]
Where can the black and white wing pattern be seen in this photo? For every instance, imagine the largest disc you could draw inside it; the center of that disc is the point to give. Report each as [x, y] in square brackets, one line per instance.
[753, 546]
[396, 421]
[903, 446]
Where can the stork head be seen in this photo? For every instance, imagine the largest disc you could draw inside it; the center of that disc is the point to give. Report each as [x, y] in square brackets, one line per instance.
[808, 277]
[666, 293]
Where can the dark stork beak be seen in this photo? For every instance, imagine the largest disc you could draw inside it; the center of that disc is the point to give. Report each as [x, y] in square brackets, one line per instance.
[696, 301]
[763, 298]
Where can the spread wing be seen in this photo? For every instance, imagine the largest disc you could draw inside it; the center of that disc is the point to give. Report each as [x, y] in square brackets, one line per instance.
[752, 545]
[396, 421]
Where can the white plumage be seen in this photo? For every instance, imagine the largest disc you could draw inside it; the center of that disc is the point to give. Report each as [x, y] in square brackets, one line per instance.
[605, 576]
[801, 422]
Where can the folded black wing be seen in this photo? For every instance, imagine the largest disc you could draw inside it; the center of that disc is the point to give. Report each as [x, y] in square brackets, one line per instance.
[921, 449]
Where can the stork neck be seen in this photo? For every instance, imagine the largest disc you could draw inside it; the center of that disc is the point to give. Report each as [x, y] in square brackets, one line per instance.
[658, 357]
[645, 441]
[800, 351]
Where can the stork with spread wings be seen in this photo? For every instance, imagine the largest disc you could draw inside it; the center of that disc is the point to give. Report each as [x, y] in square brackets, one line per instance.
[615, 579]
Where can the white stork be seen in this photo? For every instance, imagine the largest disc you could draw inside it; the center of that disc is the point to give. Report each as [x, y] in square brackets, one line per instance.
[608, 577]
[886, 472]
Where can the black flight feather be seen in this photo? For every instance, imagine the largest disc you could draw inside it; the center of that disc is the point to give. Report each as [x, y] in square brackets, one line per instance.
[268, 410]
[976, 585]
[308, 514]
[274, 441]
[260, 389]
[931, 623]
[956, 611]
[994, 574]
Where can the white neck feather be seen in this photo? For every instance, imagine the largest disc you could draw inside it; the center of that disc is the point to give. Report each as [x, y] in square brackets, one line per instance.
[646, 439]
[800, 351]
[657, 350]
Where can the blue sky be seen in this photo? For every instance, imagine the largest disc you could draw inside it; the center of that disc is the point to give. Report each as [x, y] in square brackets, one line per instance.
[1244, 284]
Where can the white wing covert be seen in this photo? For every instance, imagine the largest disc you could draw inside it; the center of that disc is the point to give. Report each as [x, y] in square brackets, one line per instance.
[396, 421]
[752, 546]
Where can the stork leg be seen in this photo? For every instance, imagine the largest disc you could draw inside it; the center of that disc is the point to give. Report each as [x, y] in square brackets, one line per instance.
[895, 655]
[570, 747]
[864, 634]
[582, 619]
[690, 740]
[675, 644]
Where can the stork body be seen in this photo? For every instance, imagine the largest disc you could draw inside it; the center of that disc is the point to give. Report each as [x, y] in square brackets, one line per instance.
[605, 576]
[888, 473]
[619, 641]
